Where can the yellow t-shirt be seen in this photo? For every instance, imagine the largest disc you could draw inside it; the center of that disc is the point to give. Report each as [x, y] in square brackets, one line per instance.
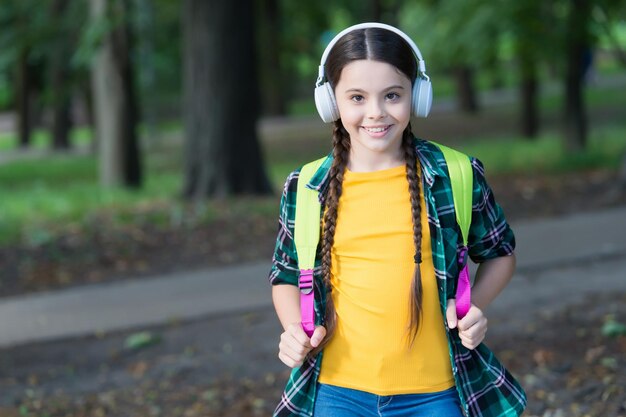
[371, 274]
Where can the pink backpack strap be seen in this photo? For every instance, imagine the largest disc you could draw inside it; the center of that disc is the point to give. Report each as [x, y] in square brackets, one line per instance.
[307, 301]
[463, 289]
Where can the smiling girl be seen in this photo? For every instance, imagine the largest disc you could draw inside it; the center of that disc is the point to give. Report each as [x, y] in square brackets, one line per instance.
[387, 340]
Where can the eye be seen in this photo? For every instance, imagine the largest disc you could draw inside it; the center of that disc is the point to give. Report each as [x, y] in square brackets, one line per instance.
[357, 98]
[392, 96]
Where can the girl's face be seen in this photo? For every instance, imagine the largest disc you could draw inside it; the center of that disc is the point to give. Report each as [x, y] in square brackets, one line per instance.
[374, 102]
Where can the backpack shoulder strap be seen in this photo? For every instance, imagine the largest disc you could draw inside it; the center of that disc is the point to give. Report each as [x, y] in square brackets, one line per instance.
[307, 226]
[306, 238]
[461, 178]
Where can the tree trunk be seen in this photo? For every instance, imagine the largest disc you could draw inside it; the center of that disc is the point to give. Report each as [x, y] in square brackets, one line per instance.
[528, 93]
[115, 105]
[87, 96]
[145, 35]
[61, 125]
[24, 121]
[270, 69]
[577, 43]
[492, 61]
[222, 152]
[466, 92]
[530, 116]
[61, 120]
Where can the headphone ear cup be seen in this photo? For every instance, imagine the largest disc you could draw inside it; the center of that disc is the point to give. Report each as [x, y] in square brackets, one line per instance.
[326, 103]
[422, 97]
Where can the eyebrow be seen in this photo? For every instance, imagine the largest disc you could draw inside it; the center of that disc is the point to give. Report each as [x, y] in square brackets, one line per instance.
[358, 90]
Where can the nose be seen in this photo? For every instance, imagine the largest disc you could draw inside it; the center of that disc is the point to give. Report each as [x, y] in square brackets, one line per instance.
[375, 110]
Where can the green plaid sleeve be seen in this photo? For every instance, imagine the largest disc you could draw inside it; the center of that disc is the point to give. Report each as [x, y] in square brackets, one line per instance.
[490, 235]
[285, 261]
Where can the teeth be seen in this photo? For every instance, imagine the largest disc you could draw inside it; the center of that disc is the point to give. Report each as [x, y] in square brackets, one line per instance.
[376, 129]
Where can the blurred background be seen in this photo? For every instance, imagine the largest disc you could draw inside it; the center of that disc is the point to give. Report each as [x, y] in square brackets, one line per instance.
[146, 141]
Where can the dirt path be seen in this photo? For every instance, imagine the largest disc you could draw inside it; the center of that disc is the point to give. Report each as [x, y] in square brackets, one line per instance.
[227, 366]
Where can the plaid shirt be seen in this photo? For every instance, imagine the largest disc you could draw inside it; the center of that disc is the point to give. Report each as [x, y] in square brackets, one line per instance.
[485, 387]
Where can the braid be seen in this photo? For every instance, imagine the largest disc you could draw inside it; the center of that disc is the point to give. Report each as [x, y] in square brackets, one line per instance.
[341, 149]
[414, 190]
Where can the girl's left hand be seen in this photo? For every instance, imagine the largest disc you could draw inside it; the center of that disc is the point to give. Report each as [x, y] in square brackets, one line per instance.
[472, 327]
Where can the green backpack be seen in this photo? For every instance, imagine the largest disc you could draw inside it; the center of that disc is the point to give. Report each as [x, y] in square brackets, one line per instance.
[307, 230]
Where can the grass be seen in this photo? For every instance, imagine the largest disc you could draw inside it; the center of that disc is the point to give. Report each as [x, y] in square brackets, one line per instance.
[69, 195]
[41, 139]
[60, 193]
[546, 154]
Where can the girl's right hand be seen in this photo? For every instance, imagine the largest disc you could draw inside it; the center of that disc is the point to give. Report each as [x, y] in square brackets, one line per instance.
[295, 344]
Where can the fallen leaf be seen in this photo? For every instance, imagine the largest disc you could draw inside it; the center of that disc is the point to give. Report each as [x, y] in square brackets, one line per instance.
[141, 340]
[613, 328]
[594, 353]
[138, 369]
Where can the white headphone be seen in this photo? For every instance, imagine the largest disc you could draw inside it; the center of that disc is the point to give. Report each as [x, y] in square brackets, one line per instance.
[422, 94]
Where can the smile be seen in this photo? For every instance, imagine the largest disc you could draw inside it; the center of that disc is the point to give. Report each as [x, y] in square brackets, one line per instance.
[377, 129]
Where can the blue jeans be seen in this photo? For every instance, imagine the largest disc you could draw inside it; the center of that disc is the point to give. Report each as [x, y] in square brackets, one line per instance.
[333, 401]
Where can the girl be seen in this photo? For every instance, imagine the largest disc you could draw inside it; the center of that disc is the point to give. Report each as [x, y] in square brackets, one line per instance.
[387, 340]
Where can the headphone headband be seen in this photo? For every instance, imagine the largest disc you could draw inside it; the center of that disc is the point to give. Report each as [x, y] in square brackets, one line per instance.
[420, 61]
[421, 92]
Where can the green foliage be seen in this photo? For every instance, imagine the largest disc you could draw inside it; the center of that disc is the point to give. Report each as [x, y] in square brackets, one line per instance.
[158, 51]
[453, 32]
[34, 35]
[483, 34]
[90, 39]
[6, 91]
[24, 26]
[307, 27]
[303, 39]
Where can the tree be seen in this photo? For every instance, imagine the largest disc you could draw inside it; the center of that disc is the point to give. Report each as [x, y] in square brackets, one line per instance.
[22, 46]
[585, 20]
[60, 73]
[270, 35]
[465, 88]
[38, 40]
[24, 97]
[115, 103]
[577, 44]
[527, 23]
[220, 104]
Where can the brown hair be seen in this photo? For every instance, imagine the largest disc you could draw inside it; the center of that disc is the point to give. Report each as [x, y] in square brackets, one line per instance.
[385, 46]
